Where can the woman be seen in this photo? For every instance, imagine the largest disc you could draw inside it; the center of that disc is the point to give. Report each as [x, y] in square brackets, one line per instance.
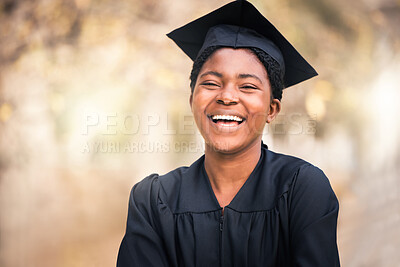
[240, 204]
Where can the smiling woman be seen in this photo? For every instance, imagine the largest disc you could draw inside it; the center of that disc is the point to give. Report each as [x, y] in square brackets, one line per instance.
[240, 204]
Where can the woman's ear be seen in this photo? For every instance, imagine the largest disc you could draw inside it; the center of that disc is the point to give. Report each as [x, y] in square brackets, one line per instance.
[191, 100]
[274, 109]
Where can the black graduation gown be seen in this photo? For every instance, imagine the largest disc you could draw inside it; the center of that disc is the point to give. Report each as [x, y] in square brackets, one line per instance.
[284, 215]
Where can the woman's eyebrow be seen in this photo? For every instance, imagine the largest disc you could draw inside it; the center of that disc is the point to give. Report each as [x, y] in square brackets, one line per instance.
[211, 73]
[246, 75]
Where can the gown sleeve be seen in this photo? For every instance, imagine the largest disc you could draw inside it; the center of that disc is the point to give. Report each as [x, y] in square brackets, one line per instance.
[142, 245]
[313, 220]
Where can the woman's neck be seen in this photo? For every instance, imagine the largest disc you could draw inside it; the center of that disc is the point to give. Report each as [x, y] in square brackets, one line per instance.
[228, 172]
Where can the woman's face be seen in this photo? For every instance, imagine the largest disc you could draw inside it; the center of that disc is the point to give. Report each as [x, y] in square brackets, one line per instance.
[231, 101]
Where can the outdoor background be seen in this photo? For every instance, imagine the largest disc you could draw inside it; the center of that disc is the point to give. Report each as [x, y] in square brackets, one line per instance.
[94, 97]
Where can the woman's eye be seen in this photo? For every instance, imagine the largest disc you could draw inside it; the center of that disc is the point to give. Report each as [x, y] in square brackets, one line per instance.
[248, 87]
[209, 84]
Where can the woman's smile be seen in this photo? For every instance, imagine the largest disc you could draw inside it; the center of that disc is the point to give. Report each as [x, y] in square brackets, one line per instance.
[226, 122]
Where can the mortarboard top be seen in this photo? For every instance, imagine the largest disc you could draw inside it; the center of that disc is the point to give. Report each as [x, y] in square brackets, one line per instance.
[240, 24]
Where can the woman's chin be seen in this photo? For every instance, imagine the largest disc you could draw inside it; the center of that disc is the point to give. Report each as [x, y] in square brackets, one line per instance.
[223, 146]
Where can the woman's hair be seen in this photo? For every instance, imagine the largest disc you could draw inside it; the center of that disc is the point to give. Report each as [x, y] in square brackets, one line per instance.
[275, 73]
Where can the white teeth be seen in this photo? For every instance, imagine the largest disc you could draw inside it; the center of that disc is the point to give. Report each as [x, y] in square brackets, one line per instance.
[227, 118]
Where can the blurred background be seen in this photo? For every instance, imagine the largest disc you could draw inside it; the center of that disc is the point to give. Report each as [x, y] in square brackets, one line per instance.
[94, 97]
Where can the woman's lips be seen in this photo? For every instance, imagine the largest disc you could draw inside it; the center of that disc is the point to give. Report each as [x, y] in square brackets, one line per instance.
[226, 119]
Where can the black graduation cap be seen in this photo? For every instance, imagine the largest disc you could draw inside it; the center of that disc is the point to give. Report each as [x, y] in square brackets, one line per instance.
[240, 24]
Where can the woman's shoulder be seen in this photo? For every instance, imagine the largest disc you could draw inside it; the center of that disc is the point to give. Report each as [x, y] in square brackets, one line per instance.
[172, 178]
[172, 187]
[294, 173]
[151, 185]
[282, 162]
[301, 177]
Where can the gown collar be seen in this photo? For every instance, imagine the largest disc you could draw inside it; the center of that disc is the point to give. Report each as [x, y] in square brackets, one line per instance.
[256, 194]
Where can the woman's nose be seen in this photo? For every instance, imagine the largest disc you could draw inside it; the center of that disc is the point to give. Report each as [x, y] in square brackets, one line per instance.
[228, 96]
